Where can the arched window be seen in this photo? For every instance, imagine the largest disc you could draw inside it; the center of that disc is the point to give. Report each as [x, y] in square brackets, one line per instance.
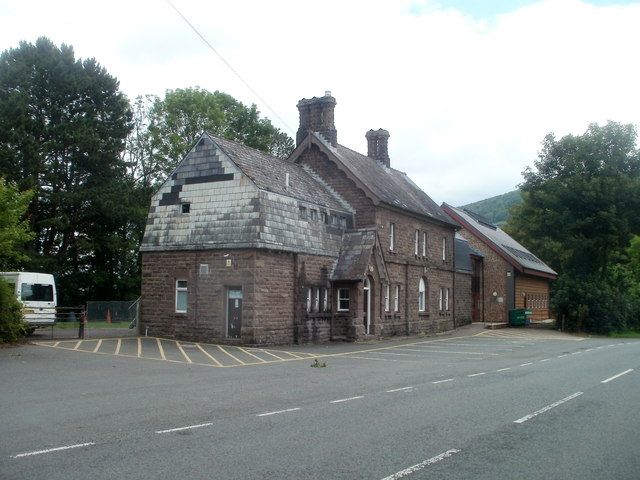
[422, 296]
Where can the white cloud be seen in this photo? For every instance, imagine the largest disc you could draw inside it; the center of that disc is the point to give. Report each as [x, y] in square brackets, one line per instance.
[467, 102]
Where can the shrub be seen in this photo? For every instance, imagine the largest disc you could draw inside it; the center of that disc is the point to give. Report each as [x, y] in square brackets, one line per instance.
[12, 324]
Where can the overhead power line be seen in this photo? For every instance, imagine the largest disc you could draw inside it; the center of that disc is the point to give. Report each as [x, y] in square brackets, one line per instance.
[230, 67]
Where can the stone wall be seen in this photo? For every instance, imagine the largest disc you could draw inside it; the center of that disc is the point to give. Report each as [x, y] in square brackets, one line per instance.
[341, 184]
[274, 296]
[405, 269]
[495, 279]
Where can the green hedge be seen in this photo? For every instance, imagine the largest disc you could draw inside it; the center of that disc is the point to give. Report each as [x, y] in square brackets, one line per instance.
[12, 324]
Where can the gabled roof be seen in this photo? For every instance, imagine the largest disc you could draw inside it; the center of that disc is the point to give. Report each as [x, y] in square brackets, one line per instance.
[383, 185]
[358, 246]
[236, 197]
[269, 173]
[500, 242]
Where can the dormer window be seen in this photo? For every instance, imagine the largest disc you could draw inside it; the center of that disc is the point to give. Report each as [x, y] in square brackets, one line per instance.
[186, 207]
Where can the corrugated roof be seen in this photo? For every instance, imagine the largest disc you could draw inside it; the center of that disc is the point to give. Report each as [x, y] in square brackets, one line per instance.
[391, 186]
[503, 242]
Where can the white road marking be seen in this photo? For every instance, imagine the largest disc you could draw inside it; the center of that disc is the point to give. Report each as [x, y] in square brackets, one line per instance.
[565, 355]
[545, 359]
[547, 408]
[277, 411]
[589, 349]
[616, 376]
[179, 429]
[399, 389]
[576, 353]
[49, 450]
[380, 359]
[503, 369]
[477, 374]
[346, 399]
[442, 381]
[421, 465]
[525, 364]
[445, 351]
[394, 353]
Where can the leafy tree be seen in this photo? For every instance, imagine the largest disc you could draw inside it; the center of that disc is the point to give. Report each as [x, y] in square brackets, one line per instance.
[175, 122]
[63, 124]
[12, 324]
[581, 205]
[14, 229]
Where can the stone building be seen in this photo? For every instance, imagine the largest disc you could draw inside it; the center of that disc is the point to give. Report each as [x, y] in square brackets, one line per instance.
[242, 247]
[509, 276]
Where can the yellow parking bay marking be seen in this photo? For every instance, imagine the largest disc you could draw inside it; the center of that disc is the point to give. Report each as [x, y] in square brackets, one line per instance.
[77, 345]
[262, 360]
[118, 345]
[232, 356]
[98, 345]
[218, 364]
[160, 349]
[183, 352]
[272, 354]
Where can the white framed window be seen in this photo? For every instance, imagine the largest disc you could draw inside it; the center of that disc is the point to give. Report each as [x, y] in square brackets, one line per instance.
[343, 299]
[182, 295]
[309, 299]
[316, 300]
[444, 249]
[440, 299]
[387, 289]
[396, 299]
[392, 236]
[422, 294]
[424, 244]
[325, 300]
[446, 299]
[416, 243]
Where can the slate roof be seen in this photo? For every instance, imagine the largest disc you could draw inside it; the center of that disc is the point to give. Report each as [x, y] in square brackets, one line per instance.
[236, 197]
[389, 185]
[463, 254]
[355, 254]
[269, 172]
[499, 240]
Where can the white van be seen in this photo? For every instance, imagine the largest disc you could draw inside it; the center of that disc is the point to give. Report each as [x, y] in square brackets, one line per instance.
[37, 293]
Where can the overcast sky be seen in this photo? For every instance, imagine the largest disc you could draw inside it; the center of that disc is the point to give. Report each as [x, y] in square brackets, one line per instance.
[466, 88]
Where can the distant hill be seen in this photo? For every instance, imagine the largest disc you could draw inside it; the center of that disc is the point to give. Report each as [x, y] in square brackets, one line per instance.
[495, 209]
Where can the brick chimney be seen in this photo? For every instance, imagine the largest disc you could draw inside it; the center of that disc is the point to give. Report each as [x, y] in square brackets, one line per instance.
[316, 115]
[377, 146]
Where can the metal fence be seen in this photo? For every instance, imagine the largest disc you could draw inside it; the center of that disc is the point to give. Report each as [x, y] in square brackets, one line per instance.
[113, 312]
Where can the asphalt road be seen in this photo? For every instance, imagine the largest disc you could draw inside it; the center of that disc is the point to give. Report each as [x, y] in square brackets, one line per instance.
[505, 404]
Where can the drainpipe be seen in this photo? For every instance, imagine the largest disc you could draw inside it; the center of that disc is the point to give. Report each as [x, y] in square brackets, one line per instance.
[406, 295]
[453, 289]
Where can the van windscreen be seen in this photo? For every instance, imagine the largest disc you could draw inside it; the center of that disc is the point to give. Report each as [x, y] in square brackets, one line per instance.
[36, 292]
